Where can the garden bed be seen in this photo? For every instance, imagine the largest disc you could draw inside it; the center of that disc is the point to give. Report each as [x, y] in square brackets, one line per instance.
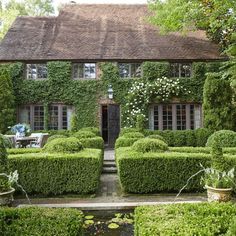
[41, 221]
[186, 219]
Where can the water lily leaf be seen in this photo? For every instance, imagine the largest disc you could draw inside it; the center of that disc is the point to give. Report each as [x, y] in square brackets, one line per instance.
[89, 222]
[113, 226]
[89, 217]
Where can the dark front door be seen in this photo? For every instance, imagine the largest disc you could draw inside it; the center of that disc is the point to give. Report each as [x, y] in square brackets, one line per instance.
[110, 124]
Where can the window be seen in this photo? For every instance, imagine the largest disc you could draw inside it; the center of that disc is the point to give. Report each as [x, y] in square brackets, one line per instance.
[128, 70]
[175, 116]
[180, 69]
[59, 116]
[36, 71]
[84, 71]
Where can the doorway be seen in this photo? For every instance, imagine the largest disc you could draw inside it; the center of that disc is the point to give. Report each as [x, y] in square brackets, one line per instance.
[110, 124]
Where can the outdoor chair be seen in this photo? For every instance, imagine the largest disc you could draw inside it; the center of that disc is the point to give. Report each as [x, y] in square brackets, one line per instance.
[41, 139]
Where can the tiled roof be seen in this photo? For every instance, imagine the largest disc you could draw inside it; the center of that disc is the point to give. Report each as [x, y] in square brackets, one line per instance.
[101, 32]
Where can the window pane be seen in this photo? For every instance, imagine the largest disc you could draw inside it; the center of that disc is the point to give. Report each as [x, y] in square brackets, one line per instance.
[192, 117]
[167, 117]
[90, 70]
[38, 117]
[135, 70]
[174, 69]
[42, 71]
[124, 70]
[53, 117]
[31, 71]
[185, 70]
[181, 117]
[36, 71]
[64, 118]
[156, 119]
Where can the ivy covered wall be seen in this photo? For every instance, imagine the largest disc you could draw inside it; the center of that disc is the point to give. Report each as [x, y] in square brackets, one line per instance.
[85, 95]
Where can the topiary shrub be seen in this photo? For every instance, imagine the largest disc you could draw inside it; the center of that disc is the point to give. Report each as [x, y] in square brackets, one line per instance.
[4, 184]
[84, 134]
[149, 145]
[224, 138]
[7, 142]
[202, 134]
[133, 135]
[67, 145]
[128, 130]
[156, 136]
[56, 136]
[96, 142]
[125, 142]
[94, 130]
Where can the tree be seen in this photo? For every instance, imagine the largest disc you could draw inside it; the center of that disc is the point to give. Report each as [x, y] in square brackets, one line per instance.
[13, 8]
[7, 108]
[217, 17]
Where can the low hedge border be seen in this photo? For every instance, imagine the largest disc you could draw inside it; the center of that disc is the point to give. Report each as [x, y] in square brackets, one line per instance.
[58, 173]
[185, 219]
[41, 221]
[125, 142]
[14, 151]
[96, 142]
[161, 172]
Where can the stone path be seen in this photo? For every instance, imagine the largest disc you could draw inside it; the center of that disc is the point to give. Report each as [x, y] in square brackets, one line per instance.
[110, 195]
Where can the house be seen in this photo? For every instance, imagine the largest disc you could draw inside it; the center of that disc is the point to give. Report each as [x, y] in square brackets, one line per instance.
[61, 55]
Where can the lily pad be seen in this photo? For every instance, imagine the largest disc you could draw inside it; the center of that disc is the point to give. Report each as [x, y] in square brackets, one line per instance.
[113, 226]
[89, 222]
[89, 217]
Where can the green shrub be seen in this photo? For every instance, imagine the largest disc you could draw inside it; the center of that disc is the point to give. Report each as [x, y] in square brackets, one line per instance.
[184, 219]
[202, 134]
[7, 141]
[84, 134]
[125, 142]
[232, 228]
[96, 142]
[224, 138]
[149, 145]
[218, 161]
[67, 145]
[160, 172]
[57, 173]
[140, 122]
[4, 184]
[41, 221]
[94, 130]
[55, 136]
[133, 135]
[156, 136]
[128, 130]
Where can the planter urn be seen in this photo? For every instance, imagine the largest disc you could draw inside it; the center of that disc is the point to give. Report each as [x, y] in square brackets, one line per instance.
[218, 194]
[6, 198]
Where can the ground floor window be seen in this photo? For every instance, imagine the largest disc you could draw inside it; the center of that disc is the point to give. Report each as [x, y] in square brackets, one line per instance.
[59, 116]
[175, 116]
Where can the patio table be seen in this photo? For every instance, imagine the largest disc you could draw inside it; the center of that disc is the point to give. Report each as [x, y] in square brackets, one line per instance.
[24, 141]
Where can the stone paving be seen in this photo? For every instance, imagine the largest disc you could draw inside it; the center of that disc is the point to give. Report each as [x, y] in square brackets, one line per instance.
[110, 196]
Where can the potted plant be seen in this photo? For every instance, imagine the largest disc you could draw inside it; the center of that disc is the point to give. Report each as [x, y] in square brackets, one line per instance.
[219, 184]
[219, 178]
[6, 181]
[20, 130]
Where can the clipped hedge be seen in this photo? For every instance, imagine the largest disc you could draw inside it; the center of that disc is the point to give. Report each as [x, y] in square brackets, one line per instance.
[133, 135]
[96, 142]
[185, 219]
[94, 130]
[125, 142]
[14, 151]
[57, 173]
[156, 136]
[64, 145]
[128, 130]
[41, 221]
[225, 138]
[159, 172]
[84, 134]
[55, 136]
[149, 145]
[179, 138]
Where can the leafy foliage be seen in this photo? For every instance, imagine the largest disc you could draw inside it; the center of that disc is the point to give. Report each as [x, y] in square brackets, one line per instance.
[185, 219]
[4, 185]
[41, 221]
[57, 173]
[55, 136]
[96, 142]
[63, 145]
[84, 134]
[133, 135]
[125, 142]
[222, 138]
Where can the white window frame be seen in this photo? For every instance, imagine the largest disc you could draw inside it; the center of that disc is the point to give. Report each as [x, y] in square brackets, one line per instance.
[130, 69]
[180, 64]
[83, 77]
[37, 65]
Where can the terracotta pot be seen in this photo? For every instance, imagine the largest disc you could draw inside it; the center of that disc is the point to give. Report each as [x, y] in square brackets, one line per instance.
[6, 198]
[218, 194]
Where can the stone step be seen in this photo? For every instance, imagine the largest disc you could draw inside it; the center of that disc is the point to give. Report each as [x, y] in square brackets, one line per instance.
[109, 170]
[109, 164]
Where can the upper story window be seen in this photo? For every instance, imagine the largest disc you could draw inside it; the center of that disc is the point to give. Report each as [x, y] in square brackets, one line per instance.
[84, 71]
[129, 70]
[181, 69]
[36, 71]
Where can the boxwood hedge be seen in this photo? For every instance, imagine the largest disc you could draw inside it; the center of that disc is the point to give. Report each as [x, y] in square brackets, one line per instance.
[185, 219]
[162, 172]
[96, 142]
[41, 221]
[58, 173]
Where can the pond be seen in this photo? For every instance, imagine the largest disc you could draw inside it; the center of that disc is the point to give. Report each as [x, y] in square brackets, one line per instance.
[109, 223]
